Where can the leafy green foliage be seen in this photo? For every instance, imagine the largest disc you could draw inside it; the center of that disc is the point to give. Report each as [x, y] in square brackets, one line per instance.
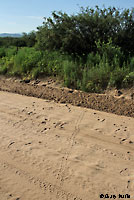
[117, 77]
[77, 34]
[128, 81]
[25, 60]
[90, 51]
[2, 52]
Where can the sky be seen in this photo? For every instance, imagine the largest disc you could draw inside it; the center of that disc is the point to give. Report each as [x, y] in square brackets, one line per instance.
[17, 16]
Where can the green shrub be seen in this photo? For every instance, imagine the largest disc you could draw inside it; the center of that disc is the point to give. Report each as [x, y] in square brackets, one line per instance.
[71, 73]
[92, 60]
[2, 52]
[3, 70]
[25, 60]
[110, 53]
[131, 65]
[117, 77]
[128, 80]
[51, 63]
[36, 72]
[96, 79]
[9, 52]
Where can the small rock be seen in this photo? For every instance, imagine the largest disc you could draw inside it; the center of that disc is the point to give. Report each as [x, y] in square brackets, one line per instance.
[63, 101]
[70, 91]
[44, 85]
[26, 81]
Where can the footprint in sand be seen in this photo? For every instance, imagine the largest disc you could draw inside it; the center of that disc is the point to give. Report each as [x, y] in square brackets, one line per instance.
[130, 142]
[130, 185]
[28, 143]
[98, 130]
[123, 140]
[59, 124]
[69, 109]
[11, 144]
[124, 172]
[101, 120]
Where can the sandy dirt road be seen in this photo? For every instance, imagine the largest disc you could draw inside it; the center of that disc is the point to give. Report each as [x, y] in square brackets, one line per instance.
[51, 151]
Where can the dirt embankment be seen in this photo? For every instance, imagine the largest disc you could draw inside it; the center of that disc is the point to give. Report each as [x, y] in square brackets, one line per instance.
[47, 90]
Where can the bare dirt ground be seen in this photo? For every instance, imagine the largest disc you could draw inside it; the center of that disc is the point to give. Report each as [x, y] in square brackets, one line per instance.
[51, 151]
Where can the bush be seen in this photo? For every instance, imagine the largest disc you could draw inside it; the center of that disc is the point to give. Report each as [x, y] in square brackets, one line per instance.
[70, 73]
[6, 64]
[117, 77]
[128, 80]
[9, 52]
[25, 60]
[2, 52]
[131, 65]
[93, 73]
[3, 70]
[92, 60]
[35, 72]
[78, 33]
[97, 78]
[110, 53]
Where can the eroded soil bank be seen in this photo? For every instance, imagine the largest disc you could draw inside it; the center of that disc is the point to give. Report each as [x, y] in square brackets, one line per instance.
[119, 104]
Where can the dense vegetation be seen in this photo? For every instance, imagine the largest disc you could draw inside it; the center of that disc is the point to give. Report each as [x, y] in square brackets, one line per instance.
[91, 51]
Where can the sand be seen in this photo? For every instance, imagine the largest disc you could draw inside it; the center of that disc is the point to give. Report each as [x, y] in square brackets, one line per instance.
[51, 151]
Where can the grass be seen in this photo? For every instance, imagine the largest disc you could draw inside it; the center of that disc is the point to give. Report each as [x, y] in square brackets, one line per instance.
[98, 72]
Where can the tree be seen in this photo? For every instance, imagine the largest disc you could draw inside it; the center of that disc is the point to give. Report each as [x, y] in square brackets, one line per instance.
[77, 34]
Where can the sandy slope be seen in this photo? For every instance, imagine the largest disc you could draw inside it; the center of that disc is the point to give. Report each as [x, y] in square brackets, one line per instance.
[58, 151]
